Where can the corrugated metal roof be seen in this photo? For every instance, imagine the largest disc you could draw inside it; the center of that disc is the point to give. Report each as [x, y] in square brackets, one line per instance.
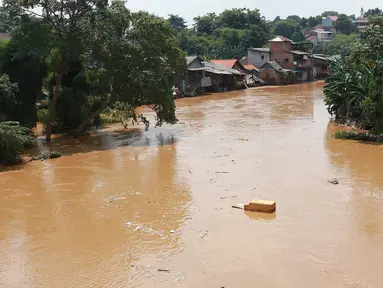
[227, 63]
[297, 52]
[260, 49]
[273, 65]
[222, 68]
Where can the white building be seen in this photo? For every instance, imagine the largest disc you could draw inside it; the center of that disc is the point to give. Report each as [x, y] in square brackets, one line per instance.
[320, 36]
[258, 56]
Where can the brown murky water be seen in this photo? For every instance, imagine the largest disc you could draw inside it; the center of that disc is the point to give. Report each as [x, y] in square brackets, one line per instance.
[120, 206]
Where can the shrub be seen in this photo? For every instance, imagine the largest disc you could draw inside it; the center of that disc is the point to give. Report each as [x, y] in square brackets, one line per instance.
[14, 140]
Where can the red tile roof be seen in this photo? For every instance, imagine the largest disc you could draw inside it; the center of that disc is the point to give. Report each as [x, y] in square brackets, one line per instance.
[250, 67]
[333, 18]
[227, 63]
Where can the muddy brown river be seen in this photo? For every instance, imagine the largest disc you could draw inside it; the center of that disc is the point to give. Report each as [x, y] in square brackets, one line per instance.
[153, 209]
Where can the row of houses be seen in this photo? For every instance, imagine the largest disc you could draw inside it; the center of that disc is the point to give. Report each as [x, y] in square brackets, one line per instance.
[282, 62]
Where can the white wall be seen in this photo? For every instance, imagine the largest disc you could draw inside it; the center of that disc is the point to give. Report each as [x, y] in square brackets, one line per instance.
[255, 57]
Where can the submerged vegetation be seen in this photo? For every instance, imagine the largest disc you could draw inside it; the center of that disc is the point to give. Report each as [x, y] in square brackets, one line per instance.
[361, 136]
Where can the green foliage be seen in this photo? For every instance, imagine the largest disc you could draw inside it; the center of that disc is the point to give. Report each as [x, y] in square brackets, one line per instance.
[298, 35]
[7, 96]
[177, 22]
[344, 25]
[373, 12]
[354, 88]
[314, 21]
[14, 140]
[295, 18]
[340, 45]
[5, 21]
[225, 36]
[284, 28]
[25, 70]
[360, 136]
[303, 23]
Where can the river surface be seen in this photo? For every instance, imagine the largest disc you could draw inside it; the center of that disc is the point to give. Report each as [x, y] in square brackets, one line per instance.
[153, 209]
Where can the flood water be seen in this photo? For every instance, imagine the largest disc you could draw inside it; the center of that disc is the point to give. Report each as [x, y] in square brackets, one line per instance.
[153, 209]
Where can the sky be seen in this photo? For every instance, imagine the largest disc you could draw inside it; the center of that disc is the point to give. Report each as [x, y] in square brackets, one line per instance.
[269, 8]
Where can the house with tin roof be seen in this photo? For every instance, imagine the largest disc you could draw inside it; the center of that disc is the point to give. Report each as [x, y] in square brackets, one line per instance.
[329, 21]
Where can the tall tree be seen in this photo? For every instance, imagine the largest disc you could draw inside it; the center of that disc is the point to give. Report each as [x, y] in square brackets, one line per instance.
[206, 23]
[177, 22]
[314, 21]
[284, 28]
[69, 24]
[295, 18]
[134, 57]
[303, 23]
[298, 35]
[344, 24]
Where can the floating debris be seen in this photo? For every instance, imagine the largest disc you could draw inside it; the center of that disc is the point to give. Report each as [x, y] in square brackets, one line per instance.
[333, 181]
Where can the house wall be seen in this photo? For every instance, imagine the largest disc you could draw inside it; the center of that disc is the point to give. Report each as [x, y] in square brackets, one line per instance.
[271, 77]
[257, 58]
[280, 54]
[327, 22]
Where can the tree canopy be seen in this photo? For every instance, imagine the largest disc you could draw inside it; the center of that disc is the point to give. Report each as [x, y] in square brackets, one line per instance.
[373, 12]
[285, 28]
[344, 24]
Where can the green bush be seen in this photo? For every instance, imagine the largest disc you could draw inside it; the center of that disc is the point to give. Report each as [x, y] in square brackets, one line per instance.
[14, 140]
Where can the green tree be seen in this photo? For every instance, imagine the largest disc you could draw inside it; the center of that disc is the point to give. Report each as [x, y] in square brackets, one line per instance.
[340, 45]
[284, 28]
[344, 24]
[5, 21]
[295, 18]
[66, 27]
[330, 13]
[303, 23]
[314, 21]
[354, 89]
[135, 64]
[7, 96]
[373, 12]
[206, 23]
[177, 22]
[298, 35]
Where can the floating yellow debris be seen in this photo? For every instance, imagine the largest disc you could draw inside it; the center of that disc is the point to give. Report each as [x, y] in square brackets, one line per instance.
[263, 206]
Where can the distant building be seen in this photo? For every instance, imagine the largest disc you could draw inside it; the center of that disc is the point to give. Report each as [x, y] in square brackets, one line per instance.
[320, 36]
[329, 21]
[361, 22]
[258, 56]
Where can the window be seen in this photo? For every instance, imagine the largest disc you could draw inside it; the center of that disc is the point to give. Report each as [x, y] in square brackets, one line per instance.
[286, 60]
[262, 57]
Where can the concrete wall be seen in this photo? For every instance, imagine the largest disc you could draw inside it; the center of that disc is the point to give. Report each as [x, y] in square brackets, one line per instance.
[258, 58]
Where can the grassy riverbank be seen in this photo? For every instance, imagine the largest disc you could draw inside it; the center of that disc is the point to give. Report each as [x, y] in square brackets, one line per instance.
[360, 136]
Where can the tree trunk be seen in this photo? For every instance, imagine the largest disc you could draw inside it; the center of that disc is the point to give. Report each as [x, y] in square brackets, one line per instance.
[53, 102]
[113, 98]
